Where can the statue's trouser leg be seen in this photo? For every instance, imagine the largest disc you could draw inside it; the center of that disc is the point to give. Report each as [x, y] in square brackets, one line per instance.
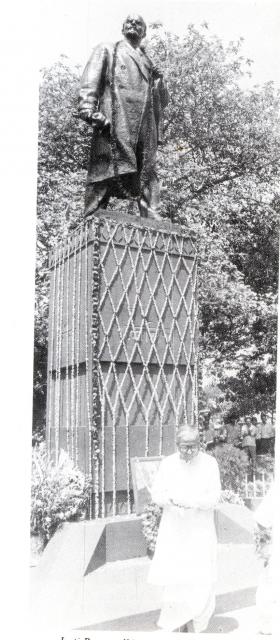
[150, 196]
[97, 195]
[149, 202]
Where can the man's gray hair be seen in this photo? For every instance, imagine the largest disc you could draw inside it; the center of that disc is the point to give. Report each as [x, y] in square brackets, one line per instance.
[186, 431]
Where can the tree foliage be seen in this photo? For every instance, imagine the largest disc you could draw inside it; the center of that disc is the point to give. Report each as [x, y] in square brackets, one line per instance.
[233, 466]
[219, 169]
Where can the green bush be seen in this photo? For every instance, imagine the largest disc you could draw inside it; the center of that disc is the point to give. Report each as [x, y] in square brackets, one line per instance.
[263, 543]
[265, 464]
[151, 518]
[59, 493]
[231, 497]
[233, 465]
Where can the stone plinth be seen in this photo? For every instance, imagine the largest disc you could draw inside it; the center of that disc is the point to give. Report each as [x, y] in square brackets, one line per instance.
[122, 365]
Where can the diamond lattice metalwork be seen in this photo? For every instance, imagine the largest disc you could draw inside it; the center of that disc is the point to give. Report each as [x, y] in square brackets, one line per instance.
[123, 348]
[147, 344]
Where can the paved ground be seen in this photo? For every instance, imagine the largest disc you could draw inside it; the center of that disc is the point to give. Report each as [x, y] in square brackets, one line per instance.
[240, 622]
[233, 620]
[116, 597]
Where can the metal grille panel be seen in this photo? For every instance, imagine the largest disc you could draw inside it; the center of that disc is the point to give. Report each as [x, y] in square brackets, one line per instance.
[123, 329]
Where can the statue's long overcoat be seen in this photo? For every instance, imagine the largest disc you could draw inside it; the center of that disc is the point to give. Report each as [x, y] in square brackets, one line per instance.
[123, 76]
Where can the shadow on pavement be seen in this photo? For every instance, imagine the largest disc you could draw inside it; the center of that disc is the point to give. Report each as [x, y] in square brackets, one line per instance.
[221, 624]
[137, 622]
[146, 621]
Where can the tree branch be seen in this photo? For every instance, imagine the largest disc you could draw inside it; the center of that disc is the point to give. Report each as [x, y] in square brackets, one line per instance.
[226, 178]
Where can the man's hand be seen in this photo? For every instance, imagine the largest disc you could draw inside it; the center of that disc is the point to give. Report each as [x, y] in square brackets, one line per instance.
[175, 504]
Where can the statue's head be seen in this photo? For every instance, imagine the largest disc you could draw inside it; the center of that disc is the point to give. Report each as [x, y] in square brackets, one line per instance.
[134, 28]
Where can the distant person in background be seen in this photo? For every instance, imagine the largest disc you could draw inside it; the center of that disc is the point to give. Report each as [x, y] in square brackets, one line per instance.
[188, 488]
[257, 424]
[248, 441]
[242, 431]
[233, 433]
[208, 438]
[215, 435]
[220, 434]
[267, 434]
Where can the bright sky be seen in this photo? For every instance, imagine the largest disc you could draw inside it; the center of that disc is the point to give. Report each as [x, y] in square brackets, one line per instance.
[72, 27]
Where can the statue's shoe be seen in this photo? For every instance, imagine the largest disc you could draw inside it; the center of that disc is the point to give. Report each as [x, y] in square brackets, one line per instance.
[154, 213]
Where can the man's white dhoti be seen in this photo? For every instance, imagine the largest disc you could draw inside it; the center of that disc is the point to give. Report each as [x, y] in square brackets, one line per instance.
[186, 551]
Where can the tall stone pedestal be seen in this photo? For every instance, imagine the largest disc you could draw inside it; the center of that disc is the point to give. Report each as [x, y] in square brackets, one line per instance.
[122, 365]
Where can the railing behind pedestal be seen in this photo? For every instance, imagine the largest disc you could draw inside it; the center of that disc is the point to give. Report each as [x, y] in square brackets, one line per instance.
[257, 486]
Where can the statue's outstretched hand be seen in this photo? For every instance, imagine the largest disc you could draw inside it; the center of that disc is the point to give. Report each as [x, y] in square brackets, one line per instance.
[85, 115]
[96, 119]
[99, 121]
[157, 72]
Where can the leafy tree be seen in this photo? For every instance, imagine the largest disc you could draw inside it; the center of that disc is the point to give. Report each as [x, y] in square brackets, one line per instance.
[62, 160]
[219, 169]
[221, 177]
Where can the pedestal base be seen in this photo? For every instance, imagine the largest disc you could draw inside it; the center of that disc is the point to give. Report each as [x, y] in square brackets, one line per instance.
[122, 347]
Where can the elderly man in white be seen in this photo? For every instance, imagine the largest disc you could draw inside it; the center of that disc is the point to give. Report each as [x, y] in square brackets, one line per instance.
[187, 486]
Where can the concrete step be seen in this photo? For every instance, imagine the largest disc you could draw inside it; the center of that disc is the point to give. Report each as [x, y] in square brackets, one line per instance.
[118, 590]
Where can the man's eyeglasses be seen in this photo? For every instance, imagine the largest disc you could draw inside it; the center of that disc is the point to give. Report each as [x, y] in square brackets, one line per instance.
[188, 448]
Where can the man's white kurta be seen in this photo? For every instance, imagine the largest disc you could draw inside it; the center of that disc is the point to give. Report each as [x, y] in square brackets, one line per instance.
[185, 556]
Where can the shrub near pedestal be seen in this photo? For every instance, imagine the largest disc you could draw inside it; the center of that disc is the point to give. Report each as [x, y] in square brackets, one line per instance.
[59, 493]
[233, 466]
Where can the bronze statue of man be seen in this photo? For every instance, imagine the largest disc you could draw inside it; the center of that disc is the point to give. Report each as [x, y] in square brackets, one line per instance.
[122, 96]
